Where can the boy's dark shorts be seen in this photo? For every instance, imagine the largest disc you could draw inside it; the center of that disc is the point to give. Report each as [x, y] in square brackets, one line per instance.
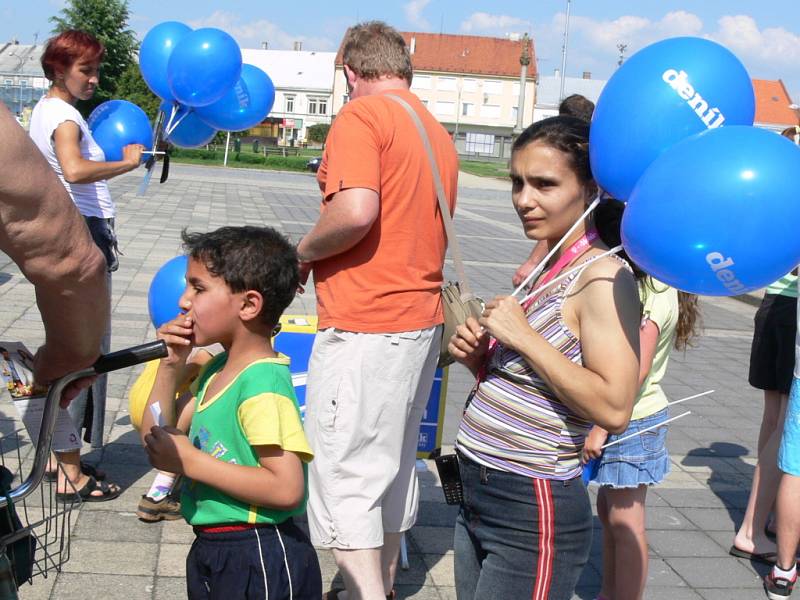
[228, 566]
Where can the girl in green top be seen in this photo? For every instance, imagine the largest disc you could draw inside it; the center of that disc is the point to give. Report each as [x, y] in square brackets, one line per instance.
[627, 469]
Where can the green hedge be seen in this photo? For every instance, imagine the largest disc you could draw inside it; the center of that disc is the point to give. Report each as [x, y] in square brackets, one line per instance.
[197, 153]
[285, 163]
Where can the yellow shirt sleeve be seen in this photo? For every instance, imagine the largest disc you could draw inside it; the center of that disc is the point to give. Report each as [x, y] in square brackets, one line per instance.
[272, 420]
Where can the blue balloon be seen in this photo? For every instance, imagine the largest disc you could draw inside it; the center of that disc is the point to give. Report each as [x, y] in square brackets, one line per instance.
[117, 123]
[154, 53]
[717, 213]
[245, 105]
[166, 290]
[204, 65]
[190, 132]
[662, 94]
[590, 470]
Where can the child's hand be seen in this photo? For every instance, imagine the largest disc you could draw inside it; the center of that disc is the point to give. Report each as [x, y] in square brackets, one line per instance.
[593, 446]
[177, 334]
[168, 448]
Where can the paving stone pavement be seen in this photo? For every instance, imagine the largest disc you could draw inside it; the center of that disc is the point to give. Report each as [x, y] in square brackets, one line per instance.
[691, 517]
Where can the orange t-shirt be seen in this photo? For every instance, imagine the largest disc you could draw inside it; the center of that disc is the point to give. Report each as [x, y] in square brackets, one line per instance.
[391, 280]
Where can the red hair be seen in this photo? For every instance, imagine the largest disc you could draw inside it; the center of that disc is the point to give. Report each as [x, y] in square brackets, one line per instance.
[68, 46]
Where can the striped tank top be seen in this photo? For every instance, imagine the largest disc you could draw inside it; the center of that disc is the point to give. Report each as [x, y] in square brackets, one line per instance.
[514, 422]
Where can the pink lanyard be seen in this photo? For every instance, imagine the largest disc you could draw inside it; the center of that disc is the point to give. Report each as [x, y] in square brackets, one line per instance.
[574, 251]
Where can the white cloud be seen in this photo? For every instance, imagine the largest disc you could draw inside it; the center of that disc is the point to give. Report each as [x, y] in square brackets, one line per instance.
[775, 45]
[485, 23]
[251, 34]
[413, 11]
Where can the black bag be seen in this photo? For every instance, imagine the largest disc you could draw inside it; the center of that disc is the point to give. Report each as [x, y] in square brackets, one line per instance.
[20, 552]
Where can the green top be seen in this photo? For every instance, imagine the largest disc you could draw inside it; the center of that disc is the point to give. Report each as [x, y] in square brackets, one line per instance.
[258, 408]
[661, 307]
[785, 286]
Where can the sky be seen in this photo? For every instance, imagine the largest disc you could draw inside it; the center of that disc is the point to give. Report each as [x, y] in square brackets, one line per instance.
[764, 35]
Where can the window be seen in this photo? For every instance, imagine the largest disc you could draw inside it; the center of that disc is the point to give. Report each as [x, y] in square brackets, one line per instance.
[23, 83]
[8, 82]
[493, 87]
[447, 84]
[514, 113]
[345, 98]
[445, 108]
[479, 143]
[318, 106]
[515, 90]
[421, 82]
[289, 104]
[470, 85]
[424, 103]
[467, 109]
[491, 111]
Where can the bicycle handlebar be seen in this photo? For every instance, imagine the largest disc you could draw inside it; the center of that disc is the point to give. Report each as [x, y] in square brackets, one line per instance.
[113, 361]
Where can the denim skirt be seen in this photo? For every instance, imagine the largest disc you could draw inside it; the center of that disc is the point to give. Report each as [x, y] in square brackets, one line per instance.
[640, 460]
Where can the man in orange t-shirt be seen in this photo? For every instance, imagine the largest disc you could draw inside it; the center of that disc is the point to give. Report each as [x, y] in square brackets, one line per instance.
[376, 252]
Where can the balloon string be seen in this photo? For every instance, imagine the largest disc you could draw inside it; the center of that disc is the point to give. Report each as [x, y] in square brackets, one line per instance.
[178, 122]
[173, 110]
[540, 267]
[562, 277]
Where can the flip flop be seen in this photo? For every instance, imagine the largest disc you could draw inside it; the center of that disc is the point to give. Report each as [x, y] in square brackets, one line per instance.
[767, 558]
[333, 594]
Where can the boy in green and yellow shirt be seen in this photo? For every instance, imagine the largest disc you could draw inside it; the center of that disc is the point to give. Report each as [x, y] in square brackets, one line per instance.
[245, 454]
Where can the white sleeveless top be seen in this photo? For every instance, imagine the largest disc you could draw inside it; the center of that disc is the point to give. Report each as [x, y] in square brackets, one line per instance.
[92, 199]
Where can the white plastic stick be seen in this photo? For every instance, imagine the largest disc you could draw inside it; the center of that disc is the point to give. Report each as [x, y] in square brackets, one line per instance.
[540, 267]
[585, 263]
[690, 398]
[152, 152]
[656, 426]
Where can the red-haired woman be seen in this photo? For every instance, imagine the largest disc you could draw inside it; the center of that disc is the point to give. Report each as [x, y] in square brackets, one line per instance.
[71, 61]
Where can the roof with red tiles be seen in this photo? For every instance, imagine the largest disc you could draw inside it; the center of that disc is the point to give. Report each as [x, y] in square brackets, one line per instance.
[772, 103]
[467, 54]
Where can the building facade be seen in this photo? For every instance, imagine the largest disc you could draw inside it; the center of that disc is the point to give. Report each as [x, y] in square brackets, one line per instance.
[22, 81]
[303, 92]
[548, 92]
[471, 84]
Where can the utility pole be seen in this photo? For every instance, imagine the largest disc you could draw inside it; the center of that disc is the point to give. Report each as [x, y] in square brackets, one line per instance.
[564, 52]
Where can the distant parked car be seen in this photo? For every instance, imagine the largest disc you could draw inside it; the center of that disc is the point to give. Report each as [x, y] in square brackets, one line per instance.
[313, 164]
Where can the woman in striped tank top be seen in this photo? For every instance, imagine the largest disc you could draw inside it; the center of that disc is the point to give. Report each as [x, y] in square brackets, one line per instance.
[554, 367]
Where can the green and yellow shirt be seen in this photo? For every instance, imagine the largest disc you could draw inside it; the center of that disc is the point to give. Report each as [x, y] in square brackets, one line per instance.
[258, 408]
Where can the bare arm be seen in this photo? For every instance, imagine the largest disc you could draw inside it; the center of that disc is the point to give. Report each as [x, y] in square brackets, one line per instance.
[603, 389]
[648, 338]
[347, 218]
[46, 237]
[76, 169]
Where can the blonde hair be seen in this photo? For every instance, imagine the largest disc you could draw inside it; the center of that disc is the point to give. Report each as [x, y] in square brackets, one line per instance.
[374, 49]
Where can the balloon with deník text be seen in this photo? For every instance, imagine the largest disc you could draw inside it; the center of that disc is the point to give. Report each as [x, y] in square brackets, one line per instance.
[245, 105]
[186, 130]
[204, 65]
[166, 290]
[154, 53]
[117, 123]
[662, 94]
[717, 213]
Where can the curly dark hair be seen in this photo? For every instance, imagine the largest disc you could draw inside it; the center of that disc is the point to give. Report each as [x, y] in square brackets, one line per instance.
[250, 258]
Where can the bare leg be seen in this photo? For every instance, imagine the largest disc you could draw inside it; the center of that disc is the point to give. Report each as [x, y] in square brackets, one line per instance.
[607, 586]
[766, 477]
[788, 517]
[389, 556]
[626, 519]
[361, 571]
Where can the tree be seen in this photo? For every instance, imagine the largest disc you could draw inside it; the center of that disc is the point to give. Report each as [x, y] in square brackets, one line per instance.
[318, 133]
[132, 87]
[107, 20]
